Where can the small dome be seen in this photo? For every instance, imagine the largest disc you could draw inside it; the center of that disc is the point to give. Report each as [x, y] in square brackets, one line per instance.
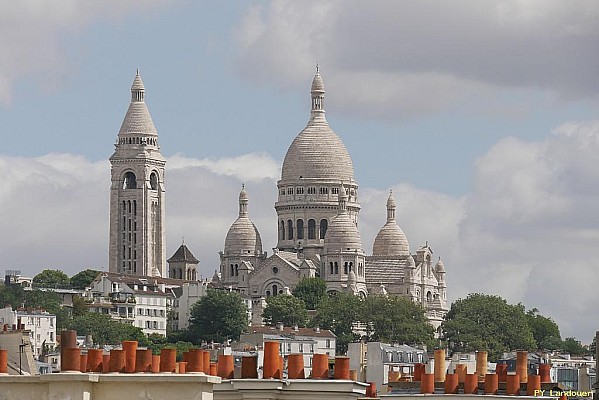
[243, 237]
[410, 262]
[317, 83]
[243, 195]
[391, 240]
[440, 267]
[342, 235]
[391, 201]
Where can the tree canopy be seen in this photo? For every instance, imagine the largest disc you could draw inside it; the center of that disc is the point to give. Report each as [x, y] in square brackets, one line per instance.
[573, 346]
[544, 330]
[338, 313]
[83, 279]
[487, 322]
[51, 278]
[218, 316]
[311, 291]
[396, 319]
[105, 330]
[288, 310]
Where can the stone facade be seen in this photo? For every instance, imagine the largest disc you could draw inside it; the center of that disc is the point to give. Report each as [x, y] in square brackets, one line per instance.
[137, 236]
[317, 224]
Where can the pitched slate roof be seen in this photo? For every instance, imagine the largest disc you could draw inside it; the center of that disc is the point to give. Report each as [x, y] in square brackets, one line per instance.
[183, 254]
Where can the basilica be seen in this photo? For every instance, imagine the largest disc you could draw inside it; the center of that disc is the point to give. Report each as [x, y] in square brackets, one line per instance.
[317, 222]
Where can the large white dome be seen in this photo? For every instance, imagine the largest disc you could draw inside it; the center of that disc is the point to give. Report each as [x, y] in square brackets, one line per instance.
[317, 152]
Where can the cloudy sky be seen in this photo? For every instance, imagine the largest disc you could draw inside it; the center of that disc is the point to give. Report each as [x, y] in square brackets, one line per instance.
[482, 116]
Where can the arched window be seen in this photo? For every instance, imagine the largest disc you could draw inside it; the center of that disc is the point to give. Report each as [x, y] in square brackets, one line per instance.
[351, 264]
[153, 181]
[289, 229]
[429, 296]
[236, 269]
[275, 290]
[332, 270]
[311, 229]
[324, 224]
[345, 270]
[232, 270]
[129, 181]
[336, 268]
[300, 228]
[282, 230]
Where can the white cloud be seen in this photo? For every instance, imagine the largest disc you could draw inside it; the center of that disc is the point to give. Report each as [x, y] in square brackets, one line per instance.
[31, 32]
[397, 59]
[528, 230]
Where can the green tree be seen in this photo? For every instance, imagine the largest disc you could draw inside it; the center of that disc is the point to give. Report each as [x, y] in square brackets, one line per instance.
[218, 316]
[487, 322]
[338, 313]
[105, 330]
[11, 294]
[83, 279]
[544, 330]
[79, 306]
[286, 309]
[573, 347]
[396, 319]
[51, 278]
[311, 291]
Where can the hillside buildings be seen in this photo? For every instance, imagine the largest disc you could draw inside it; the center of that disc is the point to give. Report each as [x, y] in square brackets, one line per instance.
[40, 325]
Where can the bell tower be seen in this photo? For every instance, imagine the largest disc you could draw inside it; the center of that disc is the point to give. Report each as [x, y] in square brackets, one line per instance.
[137, 239]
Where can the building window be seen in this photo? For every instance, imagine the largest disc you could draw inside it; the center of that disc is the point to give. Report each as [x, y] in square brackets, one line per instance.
[299, 190]
[153, 181]
[311, 229]
[290, 191]
[311, 190]
[282, 230]
[289, 229]
[324, 224]
[328, 343]
[345, 269]
[335, 190]
[300, 228]
[129, 182]
[288, 347]
[301, 347]
[324, 190]
[336, 268]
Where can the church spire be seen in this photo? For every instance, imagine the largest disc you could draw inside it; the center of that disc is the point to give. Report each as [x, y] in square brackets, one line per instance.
[243, 202]
[391, 207]
[317, 92]
[137, 89]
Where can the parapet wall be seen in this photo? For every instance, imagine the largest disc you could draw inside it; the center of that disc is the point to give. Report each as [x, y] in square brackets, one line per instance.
[80, 386]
